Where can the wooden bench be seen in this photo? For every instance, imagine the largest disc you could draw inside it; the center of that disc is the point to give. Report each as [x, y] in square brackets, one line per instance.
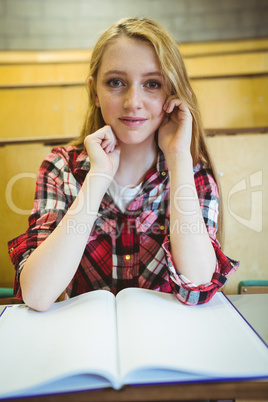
[45, 91]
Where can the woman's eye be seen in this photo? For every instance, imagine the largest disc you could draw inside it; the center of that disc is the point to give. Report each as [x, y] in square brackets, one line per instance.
[114, 83]
[153, 84]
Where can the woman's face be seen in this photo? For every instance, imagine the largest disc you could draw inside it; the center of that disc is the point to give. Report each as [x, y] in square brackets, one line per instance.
[130, 90]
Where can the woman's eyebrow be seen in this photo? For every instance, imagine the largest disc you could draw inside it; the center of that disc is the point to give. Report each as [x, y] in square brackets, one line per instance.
[121, 72]
[153, 73]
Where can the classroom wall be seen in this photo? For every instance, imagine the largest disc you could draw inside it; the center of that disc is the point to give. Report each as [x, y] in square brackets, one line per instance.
[41, 98]
[43, 101]
[241, 163]
[61, 24]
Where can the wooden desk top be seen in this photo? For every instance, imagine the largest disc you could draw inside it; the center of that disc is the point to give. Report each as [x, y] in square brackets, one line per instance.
[246, 390]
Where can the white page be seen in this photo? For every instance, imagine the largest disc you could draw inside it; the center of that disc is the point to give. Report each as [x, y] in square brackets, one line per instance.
[209, 340]
[75, 336]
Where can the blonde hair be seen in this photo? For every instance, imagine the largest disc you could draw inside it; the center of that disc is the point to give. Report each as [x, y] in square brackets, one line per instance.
[175, 78]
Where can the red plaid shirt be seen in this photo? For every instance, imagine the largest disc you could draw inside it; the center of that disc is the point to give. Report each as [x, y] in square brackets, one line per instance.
[129, 249]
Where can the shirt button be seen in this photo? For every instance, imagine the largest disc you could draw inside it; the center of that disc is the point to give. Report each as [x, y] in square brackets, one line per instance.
[11, 250]
[127, 257]
[163, 173]
[162, 227]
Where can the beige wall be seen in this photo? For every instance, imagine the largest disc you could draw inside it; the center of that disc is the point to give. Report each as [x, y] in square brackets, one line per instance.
[242, 162]
[18, 173]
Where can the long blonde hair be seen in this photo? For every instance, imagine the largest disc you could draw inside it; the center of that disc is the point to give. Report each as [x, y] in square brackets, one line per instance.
[175, 78]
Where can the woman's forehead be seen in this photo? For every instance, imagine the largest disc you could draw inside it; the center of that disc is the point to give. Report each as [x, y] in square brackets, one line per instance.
[124, 52]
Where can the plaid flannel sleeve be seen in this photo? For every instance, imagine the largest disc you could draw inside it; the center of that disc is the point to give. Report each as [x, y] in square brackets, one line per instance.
[186, 291]
[50, 205]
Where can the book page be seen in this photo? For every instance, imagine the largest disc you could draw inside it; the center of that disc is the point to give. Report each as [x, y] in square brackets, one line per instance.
[184, 343]
[75, 337]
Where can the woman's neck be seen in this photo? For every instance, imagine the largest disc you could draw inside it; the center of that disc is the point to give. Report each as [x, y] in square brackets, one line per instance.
[135, 162]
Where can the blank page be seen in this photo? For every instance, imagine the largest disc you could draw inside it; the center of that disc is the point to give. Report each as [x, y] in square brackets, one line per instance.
[73, 337]
[155, 330]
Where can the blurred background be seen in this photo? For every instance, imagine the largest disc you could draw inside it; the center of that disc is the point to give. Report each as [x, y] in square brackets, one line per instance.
[76, 24]
[44, 52]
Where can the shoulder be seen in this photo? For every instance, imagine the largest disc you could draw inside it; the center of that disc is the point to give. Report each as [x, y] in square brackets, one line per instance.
[68, 154]
[63, 158]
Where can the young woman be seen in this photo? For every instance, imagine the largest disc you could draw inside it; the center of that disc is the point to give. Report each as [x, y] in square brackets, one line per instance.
[134, 202]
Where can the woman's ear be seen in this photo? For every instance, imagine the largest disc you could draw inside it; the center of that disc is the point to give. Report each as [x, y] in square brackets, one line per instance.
[90, 81]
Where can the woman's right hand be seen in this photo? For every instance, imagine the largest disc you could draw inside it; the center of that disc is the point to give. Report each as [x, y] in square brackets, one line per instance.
[60, 253]
[103, 151]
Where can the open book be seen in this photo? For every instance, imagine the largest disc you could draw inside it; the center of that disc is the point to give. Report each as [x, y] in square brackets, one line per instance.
[140, 336]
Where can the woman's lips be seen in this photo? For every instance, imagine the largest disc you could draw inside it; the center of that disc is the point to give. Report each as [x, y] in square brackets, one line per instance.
[132, 121]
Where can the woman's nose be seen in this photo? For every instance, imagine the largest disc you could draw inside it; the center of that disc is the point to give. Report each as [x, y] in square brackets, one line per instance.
[133, 99]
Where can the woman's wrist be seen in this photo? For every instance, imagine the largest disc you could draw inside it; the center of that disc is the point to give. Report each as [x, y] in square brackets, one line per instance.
[179, 158]
[97, 182]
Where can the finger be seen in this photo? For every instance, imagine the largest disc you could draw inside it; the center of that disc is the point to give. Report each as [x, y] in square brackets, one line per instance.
[173, 101]
[103, 133]
[173, 104]
[167, 102]
[112, 138]
[109, 148]
[104, 137]
[107, 137]
[105, 143]
[182, 110]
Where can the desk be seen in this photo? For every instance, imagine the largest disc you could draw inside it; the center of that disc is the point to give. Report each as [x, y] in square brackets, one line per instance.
[253, 307]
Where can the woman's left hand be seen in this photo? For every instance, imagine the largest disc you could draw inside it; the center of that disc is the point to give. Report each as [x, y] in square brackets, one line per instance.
[175, 132]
